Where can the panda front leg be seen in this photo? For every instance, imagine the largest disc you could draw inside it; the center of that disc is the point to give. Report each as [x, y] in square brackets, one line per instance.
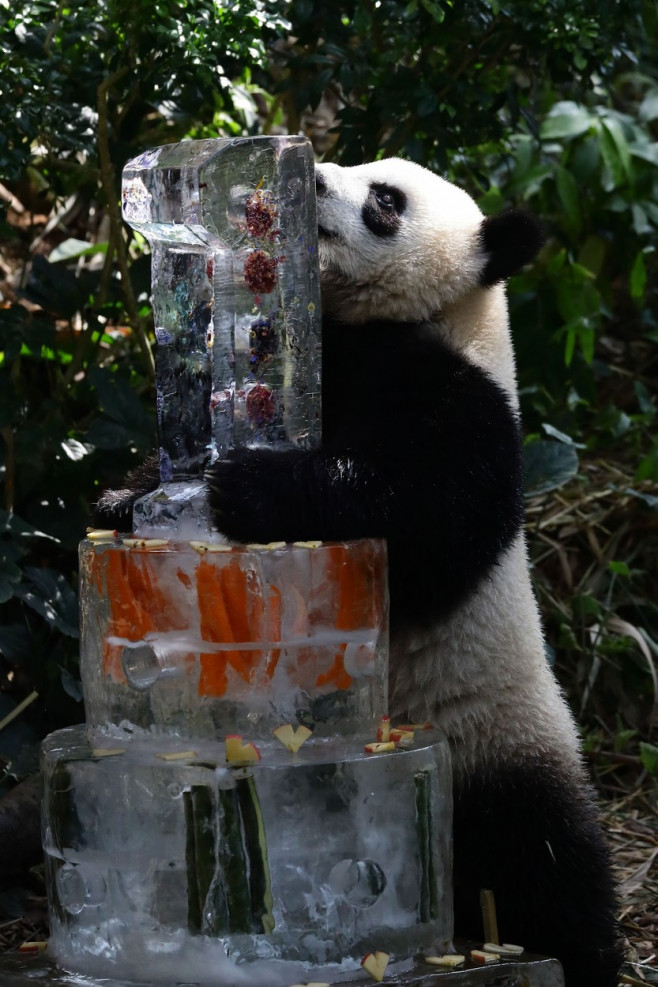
[443, 536]
[530, 834]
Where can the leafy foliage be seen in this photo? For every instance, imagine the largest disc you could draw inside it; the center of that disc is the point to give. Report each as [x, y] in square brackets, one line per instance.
[431, 78]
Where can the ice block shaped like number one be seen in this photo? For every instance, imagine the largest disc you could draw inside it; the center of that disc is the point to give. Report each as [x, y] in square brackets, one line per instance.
[236, 303]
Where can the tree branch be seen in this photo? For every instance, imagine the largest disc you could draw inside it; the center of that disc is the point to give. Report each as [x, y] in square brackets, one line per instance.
[114, 213]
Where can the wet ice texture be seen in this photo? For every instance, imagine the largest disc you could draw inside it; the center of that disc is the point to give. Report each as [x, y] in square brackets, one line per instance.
[307, 860]
[238, 641]
[233, 233]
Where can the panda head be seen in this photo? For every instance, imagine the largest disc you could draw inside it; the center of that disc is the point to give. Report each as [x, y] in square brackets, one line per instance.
[398, 242]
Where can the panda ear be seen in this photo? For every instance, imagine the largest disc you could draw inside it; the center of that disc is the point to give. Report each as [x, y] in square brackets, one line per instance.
[510, 240]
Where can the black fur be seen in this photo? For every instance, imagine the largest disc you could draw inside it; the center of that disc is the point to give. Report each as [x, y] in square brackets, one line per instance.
[382, 210]
[511, 239]
[115, 507]
[529, 835]
[419, 446]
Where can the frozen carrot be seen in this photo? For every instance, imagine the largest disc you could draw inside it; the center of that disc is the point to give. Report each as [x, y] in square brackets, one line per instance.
[336, 675]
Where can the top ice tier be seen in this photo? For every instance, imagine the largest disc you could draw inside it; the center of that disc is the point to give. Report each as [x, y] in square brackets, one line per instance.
[236, 301]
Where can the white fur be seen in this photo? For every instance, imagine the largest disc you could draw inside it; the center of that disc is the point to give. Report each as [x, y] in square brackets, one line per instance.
[428, 271]
[482, 675]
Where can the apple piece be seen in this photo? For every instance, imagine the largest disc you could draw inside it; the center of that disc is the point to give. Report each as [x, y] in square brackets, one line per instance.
[507, 949]
[36, 946]
[239, 753]
[379, 747]
[291, 738]
[478, 956]
[145, 542]
[375, 964]
[449, 960]
[384, 729]
[209, 546]
[178, 756]
[100, 534]
[400, 736]
[307, 544]
[107, 751]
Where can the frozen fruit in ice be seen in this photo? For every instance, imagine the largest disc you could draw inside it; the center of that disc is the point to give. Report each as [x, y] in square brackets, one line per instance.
[379, 747]
[260, 271]
[261, 404]
[291, 738]
[239, 753]
[260, 213]
[399, 736]
[375, 964]
[384, 729]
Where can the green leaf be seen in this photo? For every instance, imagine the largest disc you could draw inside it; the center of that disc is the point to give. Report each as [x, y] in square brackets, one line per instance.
[649, 106]
[561, 436]
[569, 196]
[648, 152]
[649, 757]
[614, 161]
[52, 598]
[641, 224]
[619, 568]
[618, 138]
[548, 465]
[638, 277]
[15, 643]
[565, 120]
[72, 248]
[644, 399]
[592, 254]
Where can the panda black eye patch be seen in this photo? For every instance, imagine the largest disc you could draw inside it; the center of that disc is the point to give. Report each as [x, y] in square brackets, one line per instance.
[382, 209]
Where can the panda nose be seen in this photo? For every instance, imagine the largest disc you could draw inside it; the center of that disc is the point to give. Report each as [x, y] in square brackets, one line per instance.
[320, 184]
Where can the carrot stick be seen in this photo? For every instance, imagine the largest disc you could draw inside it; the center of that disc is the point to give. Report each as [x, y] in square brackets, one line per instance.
[215, 626]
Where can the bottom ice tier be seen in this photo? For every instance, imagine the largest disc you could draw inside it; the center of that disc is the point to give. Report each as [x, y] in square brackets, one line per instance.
[166, 863]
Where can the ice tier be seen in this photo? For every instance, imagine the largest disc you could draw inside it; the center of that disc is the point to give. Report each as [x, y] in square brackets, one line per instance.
[202, 640]
[184, 834]
[167, 863]
[236, 304]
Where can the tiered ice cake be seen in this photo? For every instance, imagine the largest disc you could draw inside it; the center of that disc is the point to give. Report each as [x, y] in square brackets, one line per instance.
[223, 817]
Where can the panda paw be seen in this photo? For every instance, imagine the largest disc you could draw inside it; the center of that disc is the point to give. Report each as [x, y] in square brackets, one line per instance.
[251, 494]
[114, 509]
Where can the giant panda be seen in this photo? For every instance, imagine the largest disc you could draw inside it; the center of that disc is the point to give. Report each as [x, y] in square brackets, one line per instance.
[421, 445]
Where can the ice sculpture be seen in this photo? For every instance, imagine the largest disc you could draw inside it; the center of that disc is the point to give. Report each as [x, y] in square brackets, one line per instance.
[236, 305]
[223, 818]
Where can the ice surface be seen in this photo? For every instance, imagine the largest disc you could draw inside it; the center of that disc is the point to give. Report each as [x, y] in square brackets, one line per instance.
[207, 643]
[152, 861]
[233, 233]
[17, 971]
